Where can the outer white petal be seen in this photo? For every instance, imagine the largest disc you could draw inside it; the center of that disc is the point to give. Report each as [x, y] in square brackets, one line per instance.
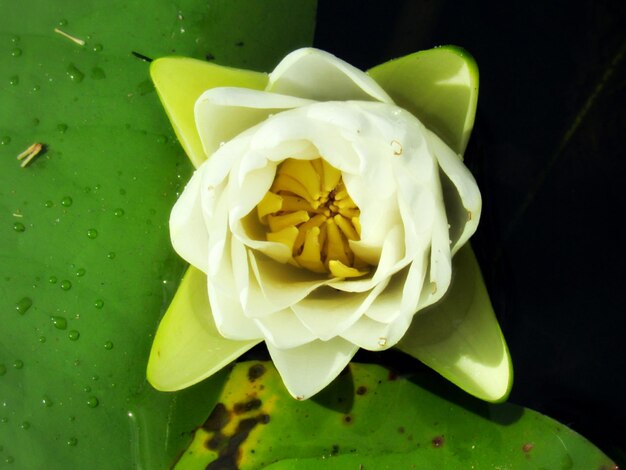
[226, 292]
[284, 330]
[223, 113]
[318, 75]
[187, 229]
[307, 369]
[461, 194]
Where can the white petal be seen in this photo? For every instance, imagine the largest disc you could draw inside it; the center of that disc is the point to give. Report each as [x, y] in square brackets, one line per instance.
[284, 330]
[187, 228]
[389, 303]
[223, 113]
[283, 284]
[393, 258]
[226, 300]
[462, 197]
[318, 75]
[375, 336]
[307, 369]
[327, 312]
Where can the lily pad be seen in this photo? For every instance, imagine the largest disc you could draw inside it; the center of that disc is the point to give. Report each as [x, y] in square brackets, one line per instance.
[86, 266]
[371, 418]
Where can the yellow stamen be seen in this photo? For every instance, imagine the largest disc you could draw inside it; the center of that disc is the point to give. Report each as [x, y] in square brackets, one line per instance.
[286, 236]
[270, 204]
[304, 173]
[279, 222]
[311, 253]
[309, 210]
[338, 269]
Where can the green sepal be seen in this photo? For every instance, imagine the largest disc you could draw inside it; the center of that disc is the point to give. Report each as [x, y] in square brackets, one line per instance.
[439, 86]
[188, 347]
[460, 338]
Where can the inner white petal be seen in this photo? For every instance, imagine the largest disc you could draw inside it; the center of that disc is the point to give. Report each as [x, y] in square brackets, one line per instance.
[224, 112]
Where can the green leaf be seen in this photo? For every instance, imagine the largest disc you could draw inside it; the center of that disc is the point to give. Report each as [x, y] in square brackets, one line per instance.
[460, 338]
[439, 86]
[371, 418]
[187, 347]
[93, 269]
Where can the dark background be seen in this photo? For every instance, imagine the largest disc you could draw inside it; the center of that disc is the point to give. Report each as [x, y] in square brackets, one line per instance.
[548, 153]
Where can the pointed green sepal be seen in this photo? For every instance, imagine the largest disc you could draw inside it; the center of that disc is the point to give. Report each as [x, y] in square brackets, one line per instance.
[460, 338]
[180, 81]
[439, 86]
[187, 347]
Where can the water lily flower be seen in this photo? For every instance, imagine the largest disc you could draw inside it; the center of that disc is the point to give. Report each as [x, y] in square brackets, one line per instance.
[323, 217]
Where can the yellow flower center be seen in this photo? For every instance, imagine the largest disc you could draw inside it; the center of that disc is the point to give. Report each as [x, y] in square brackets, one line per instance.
[309, 210]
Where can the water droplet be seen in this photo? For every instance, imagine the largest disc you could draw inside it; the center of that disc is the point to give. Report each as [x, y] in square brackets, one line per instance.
[23, 305]
[94, 377]
[66, 201]
[75, 75]
[42, 339]
[45, 401]
[18, 227]
[77, 362]
[52, 279]
[80, 272]
[14, 80]
[118, 212]
[25, 425]
[15, 39]
[97, 73]
[62, 22]
[87, 389]
[6, 140]
[73, 335]
[72, 441]
[108, 345]
[9, 459]
[97, 48]
[162, 139]
[4, 419]
[59, 323]
[49, 204]
[92, 402]
[18, 364]
[62, 128]
[66, 285]
[99, 303]
[92, 233]
[3, 369]
[111, 255]
[16, 52]
[122, 192]
[36, 88]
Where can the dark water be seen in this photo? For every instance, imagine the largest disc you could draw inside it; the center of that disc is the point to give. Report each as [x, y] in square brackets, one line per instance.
[548, 152]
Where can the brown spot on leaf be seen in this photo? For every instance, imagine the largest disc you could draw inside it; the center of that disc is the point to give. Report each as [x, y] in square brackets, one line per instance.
[392, 375]
[218, 418]
[362, 390]
[347, 419]
[438, 441]
[244, 407]
[527, 447]
[255, 372]
[401, 429]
